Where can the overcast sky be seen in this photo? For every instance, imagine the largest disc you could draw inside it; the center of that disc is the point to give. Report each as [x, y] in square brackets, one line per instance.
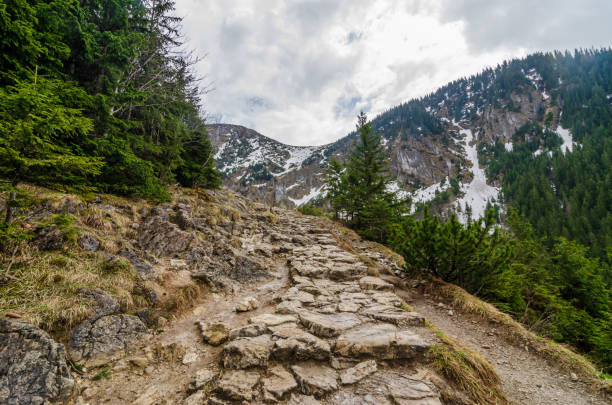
[299, 71]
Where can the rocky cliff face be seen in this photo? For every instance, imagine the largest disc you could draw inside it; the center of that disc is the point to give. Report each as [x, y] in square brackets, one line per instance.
[429, 142]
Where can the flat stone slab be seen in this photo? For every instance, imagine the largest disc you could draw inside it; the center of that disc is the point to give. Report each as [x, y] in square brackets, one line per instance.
[399, 318]
[294, 294]
[380, 341]
[289, 308]
[374, 283]
[296, 344]
[329, 325]
[411, 391]
[315, 270]
[278, 383]
[345, 272]
[238, 385]
[247, 352]
[359, 372]
[316, 379]
[272, 319]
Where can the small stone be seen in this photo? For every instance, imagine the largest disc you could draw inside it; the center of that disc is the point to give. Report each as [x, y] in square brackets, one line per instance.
[197, 398]
[315, 379]
[247, 304]
[149, 370]
[238, 385]
[573, 376]
[359, 372]
[374, 283]
[140, 362]
[214, 334]
[279, 383]
[251, 330]
[450, 312]
[200, 379]
[190, 357]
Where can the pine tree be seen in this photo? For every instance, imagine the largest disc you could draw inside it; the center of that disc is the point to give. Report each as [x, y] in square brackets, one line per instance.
[360, 190]
[40, 133]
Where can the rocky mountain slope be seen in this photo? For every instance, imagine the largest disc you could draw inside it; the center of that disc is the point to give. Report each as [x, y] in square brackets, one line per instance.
[434, 144]
[215, 299]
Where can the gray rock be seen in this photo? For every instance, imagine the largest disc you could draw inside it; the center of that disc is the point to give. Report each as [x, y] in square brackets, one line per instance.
[298, 399]
[359, 372]
[247, 352]
[197, 398]
[315, 379]
[380, 341]
[345, 272]
[399, 318]
[251, 330]
[106, 305]
[328, 325]
[89, 242]
[295, 344]
[102, 340]
[411, 391]
[143, 268]
[247, 304]
[374, 283]
[33, 366]
[238, 385]
[200, 379]
[49, 238]
[160, 237]
[272, 320]
[279, 383]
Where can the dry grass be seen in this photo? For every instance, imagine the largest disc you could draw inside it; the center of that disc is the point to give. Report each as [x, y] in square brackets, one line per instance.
[515, 333]
[467, 370]
[46, 287]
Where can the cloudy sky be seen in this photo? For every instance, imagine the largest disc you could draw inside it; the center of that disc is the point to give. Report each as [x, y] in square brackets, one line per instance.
[299, 71]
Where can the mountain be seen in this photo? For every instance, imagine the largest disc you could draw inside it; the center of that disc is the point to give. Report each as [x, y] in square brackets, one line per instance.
[445, 149]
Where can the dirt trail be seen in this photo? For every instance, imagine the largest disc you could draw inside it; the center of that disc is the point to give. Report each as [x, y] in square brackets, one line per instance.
[321, 321]
[526, 377]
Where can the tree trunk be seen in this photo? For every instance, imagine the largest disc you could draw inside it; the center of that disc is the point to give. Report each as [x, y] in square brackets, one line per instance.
[9, 207]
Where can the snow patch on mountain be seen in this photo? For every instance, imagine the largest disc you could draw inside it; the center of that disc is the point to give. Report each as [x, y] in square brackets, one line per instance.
[478, 193]
[314, 193]
[568, 141]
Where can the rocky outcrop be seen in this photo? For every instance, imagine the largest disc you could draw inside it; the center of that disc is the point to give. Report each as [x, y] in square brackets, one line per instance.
[104, 339]
[33, 368]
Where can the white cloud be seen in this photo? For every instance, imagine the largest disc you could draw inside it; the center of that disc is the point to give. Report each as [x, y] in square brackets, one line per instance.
[300, 71]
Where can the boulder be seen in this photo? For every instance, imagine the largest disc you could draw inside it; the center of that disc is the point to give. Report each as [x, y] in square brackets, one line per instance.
[33, 366]
[100, 341]
[247, 352]
[143, 268]
[278, 383]
[314, 379]
[411, 391]
[238, 385]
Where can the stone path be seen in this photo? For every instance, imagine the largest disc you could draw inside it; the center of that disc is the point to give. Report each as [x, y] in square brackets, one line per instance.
[334, 335]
